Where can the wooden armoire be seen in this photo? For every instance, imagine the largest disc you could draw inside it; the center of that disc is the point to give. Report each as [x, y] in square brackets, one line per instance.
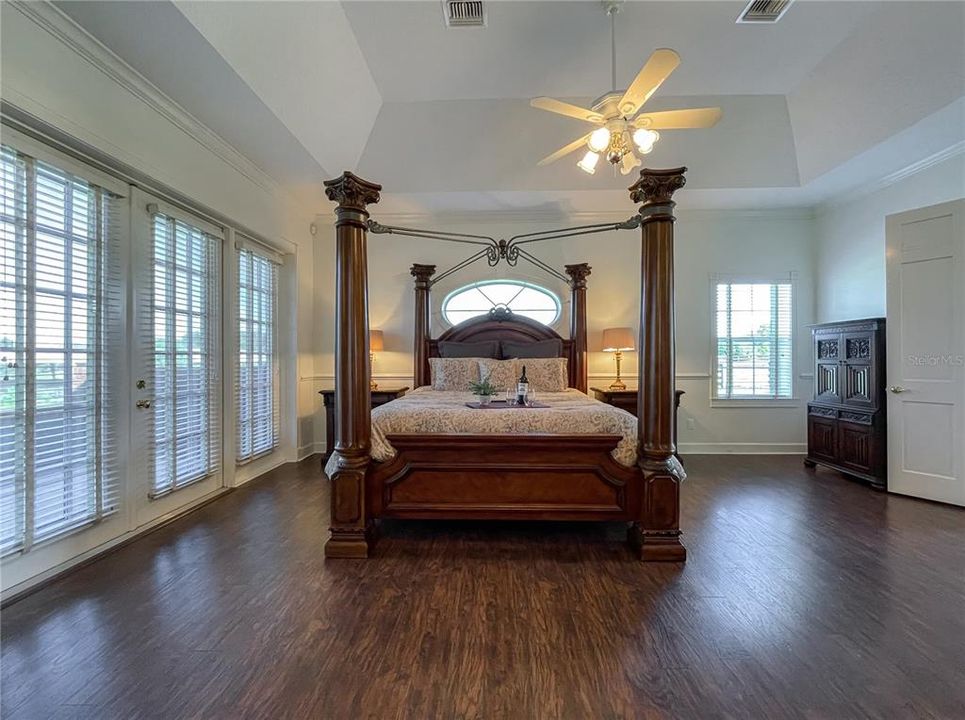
[847, 415]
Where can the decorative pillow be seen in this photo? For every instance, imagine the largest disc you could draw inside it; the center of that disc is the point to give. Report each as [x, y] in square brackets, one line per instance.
[501, 373]
[484, 349]
[544, 374]
[539, 349]
[453, 373]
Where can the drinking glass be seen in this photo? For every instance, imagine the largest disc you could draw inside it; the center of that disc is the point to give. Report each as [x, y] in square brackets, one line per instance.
[530, 398]
[510, 398]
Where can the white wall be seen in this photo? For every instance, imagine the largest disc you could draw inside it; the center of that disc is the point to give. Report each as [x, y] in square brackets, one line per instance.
[850, 239]
[54, 72]
[765, 242]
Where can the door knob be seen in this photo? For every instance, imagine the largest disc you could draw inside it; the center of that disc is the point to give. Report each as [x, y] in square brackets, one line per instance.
[143, 404]
[897, 389]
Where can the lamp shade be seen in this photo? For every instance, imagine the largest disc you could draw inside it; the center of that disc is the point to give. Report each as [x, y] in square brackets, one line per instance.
[615, 339]
[376, 343]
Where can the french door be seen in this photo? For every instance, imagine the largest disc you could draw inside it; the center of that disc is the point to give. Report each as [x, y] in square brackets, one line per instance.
[177, 358]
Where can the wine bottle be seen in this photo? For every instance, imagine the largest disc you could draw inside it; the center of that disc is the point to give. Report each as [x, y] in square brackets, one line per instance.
[522, 387]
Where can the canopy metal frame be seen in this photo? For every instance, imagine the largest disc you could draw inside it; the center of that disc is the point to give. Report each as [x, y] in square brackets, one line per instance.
[509, 251]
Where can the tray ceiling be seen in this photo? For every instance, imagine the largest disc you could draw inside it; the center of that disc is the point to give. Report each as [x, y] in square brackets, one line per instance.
[440, 117]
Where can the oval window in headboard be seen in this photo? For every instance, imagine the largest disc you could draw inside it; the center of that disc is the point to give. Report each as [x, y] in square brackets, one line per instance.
[521, 298]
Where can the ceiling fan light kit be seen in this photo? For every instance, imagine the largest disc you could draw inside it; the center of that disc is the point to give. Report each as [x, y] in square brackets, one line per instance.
[623, 133]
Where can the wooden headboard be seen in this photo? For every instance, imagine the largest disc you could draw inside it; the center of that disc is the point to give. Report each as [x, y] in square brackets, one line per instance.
[503, 326]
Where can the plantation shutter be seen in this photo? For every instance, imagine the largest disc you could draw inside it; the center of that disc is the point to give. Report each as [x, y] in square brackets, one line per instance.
[256, 371]
[754, 350]
[61, 297]
[181, 333]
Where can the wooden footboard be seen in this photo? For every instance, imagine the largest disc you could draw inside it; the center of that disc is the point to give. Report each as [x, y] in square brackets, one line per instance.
[503, 477]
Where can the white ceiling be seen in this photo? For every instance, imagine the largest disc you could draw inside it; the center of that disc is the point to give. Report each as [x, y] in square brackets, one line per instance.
[835, 94]
[563, 48]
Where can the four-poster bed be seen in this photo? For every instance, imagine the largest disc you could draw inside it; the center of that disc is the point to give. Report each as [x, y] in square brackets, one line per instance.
[526, 475]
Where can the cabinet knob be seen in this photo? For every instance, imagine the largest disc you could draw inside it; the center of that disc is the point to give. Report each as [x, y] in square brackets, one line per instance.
[897, 389]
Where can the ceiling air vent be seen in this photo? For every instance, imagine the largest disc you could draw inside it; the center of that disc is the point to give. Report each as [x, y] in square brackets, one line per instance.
[764, 11]
[464, 13]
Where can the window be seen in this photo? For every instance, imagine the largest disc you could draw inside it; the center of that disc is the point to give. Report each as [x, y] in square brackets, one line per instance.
[753, 339]
[522, 298]
[256, 378]
[59, 316]
[184, 343]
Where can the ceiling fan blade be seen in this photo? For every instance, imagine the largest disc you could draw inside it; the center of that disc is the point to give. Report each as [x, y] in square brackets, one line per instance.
[651, 76]
[562, 108]
[564, 151]
[679, 119]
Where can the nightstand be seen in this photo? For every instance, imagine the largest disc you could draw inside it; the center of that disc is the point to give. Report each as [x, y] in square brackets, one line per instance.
[627, 400]
[379, 397]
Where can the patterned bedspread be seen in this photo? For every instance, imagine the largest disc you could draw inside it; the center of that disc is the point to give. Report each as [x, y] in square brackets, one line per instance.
[439, 411]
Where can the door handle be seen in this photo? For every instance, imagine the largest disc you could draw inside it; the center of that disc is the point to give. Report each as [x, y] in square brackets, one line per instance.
[143, 404]
[897, 389]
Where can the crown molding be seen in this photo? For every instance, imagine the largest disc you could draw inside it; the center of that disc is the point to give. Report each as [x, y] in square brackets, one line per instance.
[862, 191]
[60, 26]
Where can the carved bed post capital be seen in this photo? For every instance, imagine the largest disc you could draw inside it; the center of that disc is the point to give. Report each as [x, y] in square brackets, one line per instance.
[656, 532]
[578, 274]
[656, 187]
[422, 274]
[423, 316]
[350, 524]
[578, 366]
[352, 192]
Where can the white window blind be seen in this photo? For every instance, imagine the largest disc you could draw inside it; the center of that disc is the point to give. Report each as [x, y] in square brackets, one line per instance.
[181, 333]
[256, 376]
[753, 340]
[60, 325]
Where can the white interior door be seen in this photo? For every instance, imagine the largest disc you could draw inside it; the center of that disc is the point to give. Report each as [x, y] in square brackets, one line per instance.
[926, 352]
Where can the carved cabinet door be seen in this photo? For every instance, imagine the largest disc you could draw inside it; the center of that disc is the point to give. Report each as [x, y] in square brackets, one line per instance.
[822, 433]
[856, 441]
[827, 367]
[858, 384]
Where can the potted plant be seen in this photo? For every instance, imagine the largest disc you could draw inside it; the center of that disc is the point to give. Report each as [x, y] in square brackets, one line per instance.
[483, 391]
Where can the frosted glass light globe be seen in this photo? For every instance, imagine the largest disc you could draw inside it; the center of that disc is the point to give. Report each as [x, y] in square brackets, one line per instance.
[599, 139]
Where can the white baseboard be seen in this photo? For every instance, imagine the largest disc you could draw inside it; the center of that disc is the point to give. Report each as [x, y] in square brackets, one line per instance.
[743, 448]
[311, 449]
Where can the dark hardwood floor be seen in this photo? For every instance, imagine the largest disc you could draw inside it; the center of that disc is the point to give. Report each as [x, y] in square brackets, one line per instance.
[805, 596]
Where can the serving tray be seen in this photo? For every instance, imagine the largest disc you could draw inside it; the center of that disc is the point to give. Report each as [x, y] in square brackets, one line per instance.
[503, 405]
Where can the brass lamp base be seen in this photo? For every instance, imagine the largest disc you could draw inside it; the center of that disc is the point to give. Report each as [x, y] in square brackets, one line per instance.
[372, 384]
[618, 384]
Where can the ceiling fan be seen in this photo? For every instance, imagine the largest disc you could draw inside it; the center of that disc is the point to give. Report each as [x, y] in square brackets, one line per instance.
[622, 129]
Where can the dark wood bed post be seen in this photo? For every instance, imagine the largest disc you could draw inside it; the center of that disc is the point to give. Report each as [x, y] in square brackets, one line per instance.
[657, 532]
[350, 528]
[423, 325]
[578, 274]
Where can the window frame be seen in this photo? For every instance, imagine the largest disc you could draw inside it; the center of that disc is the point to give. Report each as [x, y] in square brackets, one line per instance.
[554, 296]
[749, 401]
[242, 245]
[106, 258]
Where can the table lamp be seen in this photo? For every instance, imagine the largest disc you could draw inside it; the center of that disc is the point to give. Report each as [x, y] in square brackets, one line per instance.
[376, 344]
[617, 340]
